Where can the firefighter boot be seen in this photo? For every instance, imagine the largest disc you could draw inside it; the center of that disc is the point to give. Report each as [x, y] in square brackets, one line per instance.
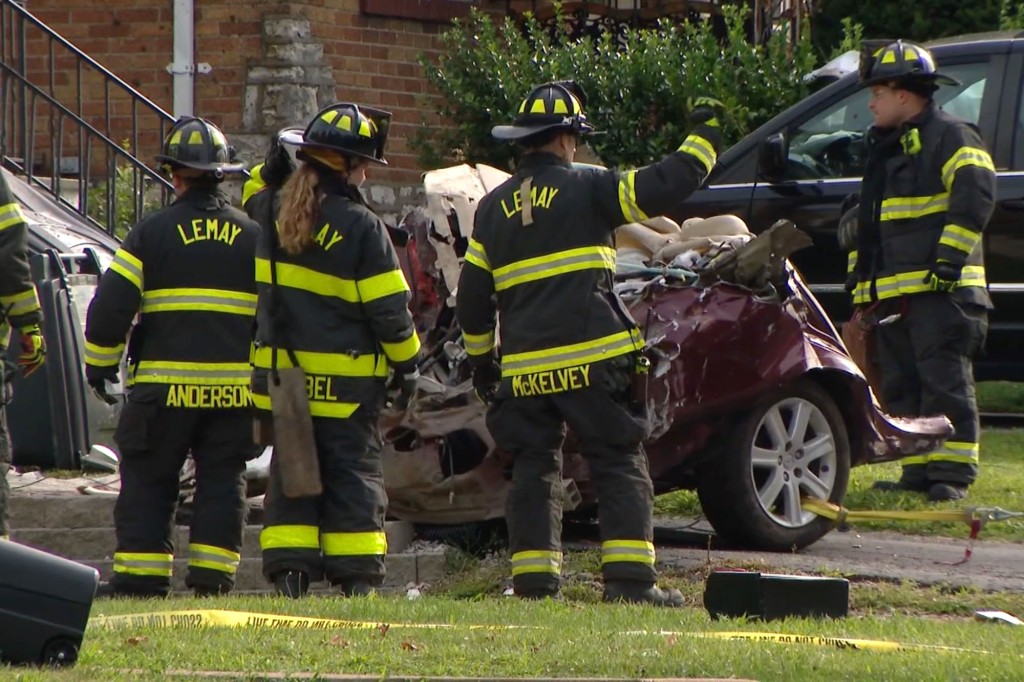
[637, 592]
[292, 584]
[356, 588]
[946, 492]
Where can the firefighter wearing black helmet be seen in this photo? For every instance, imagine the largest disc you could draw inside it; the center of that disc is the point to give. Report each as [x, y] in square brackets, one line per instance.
[19, 309]
[542, 258]
[332, 299]
[927, 194]
[187, 271]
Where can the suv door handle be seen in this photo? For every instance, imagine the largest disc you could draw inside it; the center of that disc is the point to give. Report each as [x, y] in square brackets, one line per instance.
[1012, 204]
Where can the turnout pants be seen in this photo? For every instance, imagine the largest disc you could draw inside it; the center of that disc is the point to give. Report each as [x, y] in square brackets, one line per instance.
[338, 534]
[6, 455]
[532, 429]
[925, 360]
[154, 441]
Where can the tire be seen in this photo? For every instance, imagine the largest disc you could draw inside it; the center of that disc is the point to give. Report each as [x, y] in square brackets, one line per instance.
[60, 651]
[750, 501]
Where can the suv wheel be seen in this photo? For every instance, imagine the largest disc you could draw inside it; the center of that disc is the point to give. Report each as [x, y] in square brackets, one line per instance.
[793, 444]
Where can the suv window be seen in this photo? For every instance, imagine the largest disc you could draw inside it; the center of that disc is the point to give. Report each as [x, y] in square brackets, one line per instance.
[831, 143]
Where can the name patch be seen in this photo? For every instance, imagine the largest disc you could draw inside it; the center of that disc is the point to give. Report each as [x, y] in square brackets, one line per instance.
[540, 197]
[552, 381]
[213, 397]
[208, 229]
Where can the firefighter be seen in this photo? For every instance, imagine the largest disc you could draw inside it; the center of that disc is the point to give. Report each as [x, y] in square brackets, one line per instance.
[542, 258]
[188, 269]
[19, 308]
[927, 194]
[333, 299]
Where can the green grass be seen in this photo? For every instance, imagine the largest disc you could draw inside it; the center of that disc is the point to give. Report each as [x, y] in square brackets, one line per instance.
[1001, 396]
[1000, 484]
[574, 638]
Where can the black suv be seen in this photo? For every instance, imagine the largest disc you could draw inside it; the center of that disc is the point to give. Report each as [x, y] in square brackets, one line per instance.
[806, 161]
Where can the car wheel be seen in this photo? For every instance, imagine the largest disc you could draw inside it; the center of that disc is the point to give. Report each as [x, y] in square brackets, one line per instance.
[60, 651]
[793, 444]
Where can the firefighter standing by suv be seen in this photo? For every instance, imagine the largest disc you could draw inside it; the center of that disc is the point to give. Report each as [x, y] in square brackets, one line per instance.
[541, 256]
[189, 269]
[927, 194]
[19, 307]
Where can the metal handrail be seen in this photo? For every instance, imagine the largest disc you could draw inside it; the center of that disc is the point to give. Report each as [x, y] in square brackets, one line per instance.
[39, 117]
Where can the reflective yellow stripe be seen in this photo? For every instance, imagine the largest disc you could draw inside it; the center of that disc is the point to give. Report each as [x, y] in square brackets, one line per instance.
[636, 551]
[537, 561]
[401, 351]
[956, 451]
[959, 238]
[476, 255]
[317, 408]
[704, 151]
[478, 344]
[627, 198]
[10, 215]
[551, 265]
[913, 459]
[141, 563]
[572, 355]
[21, 303]
[903, 208]
[206, 373]
[851, 261]
[334, 364]
[913, 282]
[128, 266]
[103, 356]
[290, 537]
[254, 185]
[379, 286]
[965, 156]
[373, 543]
[214, 558]
[298, 277]
[206, 300]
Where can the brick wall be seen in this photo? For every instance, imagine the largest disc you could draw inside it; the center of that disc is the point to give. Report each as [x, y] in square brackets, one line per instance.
[373, 58]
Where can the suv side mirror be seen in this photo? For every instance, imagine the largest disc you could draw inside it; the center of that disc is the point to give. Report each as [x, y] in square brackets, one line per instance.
[773, 156]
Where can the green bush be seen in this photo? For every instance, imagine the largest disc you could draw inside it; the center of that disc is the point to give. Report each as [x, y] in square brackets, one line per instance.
[128, 187]
[637, 91]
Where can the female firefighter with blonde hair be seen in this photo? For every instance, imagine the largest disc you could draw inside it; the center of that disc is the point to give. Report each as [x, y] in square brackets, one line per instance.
[333, 308]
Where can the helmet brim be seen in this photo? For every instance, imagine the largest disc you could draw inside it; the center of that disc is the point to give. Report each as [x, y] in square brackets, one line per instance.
[520, 132]
[937, 78]
[209, 167]
[302, 144]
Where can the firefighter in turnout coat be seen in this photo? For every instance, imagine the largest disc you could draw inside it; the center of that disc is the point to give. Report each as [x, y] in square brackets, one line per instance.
[927, 194]
[332, 298]
[19, 308]
[188, 269]
[542, 258]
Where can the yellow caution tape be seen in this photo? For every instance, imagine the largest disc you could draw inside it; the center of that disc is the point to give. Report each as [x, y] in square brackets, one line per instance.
[835, 642]
[240, 619]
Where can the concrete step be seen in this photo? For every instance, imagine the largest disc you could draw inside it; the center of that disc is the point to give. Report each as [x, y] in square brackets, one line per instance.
[98, 543]
[61, 511]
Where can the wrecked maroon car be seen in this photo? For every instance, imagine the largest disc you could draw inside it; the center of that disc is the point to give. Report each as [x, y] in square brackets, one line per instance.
[754, 400]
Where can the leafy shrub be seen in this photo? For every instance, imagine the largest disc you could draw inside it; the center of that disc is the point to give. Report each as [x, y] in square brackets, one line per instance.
[637, 91]
[130, 188]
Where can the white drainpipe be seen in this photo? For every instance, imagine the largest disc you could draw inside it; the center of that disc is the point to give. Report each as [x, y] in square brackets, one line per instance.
[184, 68]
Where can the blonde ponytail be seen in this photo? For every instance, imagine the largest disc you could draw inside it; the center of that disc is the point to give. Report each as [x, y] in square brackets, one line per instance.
[300, 202]
[300, 207]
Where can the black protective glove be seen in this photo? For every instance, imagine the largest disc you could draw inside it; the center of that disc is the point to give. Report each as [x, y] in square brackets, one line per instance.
[403, 384]
[97, 378]
[706, 111]
[486, 379]
[943, 276]
[851, 282]
[277, 165]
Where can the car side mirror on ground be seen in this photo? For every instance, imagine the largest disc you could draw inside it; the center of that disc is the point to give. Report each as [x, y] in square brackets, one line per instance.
[773, 155]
